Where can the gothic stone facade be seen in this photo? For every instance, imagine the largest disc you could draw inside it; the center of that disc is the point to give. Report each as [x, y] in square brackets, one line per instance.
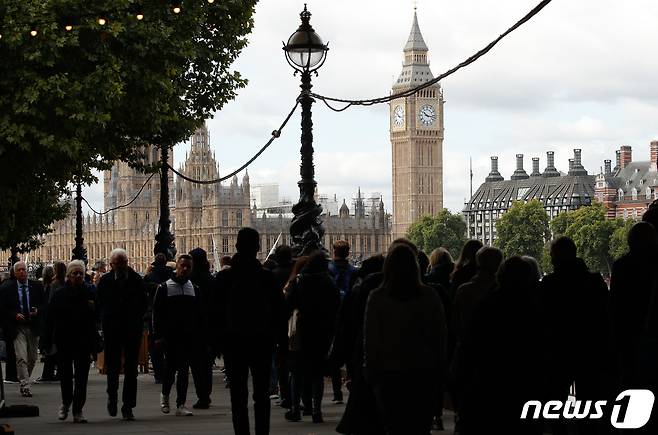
[206, 216]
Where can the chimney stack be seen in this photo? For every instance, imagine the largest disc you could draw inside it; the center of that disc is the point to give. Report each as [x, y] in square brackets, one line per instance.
[550, 170]
[608, 166]
[494, 175]
[577, 167]
[625, 155]
[535, 167]
[519, 173]
[570, 166]
[617, 160]
[654, 154]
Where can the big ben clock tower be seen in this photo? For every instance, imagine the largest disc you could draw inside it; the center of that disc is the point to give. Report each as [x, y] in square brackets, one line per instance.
[416, 138]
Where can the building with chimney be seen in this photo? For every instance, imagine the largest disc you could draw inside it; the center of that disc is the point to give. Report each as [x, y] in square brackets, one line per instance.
[627, 189]
[556, 190]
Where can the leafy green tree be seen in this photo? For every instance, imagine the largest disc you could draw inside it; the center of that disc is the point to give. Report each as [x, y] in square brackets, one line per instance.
[591, 231]
[618, 241]
[75, 101]
[445, 230]
[523, 229]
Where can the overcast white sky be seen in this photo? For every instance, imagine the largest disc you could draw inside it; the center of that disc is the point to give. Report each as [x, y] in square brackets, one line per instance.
[581, 74]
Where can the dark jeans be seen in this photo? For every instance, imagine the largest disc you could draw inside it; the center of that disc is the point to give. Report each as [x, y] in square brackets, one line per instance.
[405, 400]
[114, 346]
[337, 382]
[202, 374]
[157, 359]
[177, 367]
[11, 374]
[73, 366]
[307, 386]
[240, 360]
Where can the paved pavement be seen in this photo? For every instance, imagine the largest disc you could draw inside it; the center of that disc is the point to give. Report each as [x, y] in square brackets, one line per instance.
[149, 419]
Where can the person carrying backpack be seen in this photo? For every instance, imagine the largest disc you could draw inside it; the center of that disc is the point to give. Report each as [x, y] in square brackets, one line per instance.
[343, 273]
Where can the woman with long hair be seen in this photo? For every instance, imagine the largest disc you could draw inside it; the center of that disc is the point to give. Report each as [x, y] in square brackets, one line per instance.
[48, 373]
[316, 298]
[404, 345]
[465, 268]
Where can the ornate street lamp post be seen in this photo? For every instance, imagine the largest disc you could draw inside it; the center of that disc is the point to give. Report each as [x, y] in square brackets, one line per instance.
[306, 53]
[164, 240]
[79, 251]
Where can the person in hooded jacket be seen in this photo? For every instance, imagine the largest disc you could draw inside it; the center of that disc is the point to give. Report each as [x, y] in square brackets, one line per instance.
[159, 272]
[317, 298]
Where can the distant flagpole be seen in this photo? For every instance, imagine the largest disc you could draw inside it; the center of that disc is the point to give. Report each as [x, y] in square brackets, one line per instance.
[273, 247]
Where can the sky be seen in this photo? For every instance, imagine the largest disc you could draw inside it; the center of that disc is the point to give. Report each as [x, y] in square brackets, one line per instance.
[580, 74]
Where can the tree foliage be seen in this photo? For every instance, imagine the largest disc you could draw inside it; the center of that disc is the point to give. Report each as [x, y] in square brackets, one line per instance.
[618, 240]
[74, 102]
[591, 231]
[445, 230]
[523, 229]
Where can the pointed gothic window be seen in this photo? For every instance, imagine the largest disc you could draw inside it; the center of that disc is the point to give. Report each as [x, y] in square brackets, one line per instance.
[225, 218]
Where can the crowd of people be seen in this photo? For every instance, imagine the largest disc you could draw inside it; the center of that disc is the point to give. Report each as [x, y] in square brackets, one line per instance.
[414, 333]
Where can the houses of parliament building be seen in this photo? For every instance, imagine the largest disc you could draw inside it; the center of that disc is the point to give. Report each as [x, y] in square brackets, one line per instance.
[209, 216]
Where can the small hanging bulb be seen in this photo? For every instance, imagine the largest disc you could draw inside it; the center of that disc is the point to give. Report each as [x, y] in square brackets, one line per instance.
[102, 21]
[176, 7]
[68, 27]
[139, 17]
[211, 1]
[33, 32]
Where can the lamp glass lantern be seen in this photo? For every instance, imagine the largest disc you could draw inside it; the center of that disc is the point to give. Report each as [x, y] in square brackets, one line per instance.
[305, 50]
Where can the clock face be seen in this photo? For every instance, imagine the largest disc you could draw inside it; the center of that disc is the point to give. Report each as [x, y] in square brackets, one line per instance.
[398, 116]
[427, 115]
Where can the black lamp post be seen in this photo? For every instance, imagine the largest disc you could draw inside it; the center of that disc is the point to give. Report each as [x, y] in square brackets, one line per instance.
[79, 251]
[164, 240]
[306, 53]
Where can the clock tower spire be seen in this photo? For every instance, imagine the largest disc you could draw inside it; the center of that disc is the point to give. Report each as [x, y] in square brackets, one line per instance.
[416, 130]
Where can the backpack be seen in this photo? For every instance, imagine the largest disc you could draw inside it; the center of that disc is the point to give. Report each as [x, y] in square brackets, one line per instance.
[342, 276]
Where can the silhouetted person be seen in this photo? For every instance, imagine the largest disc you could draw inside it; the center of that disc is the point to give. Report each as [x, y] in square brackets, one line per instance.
[361, 416]
[177, 323]
[284, 263]
[121, 298]
[465, 268]
[72, 318]
[159, 273]
[633, 288]
[501, 365]
[252, 324]
[441, 267]
[49, 364]
[204, 357]
[280, 379]
[404, 345]
[576, 324]
[316, 297]
[468, 298]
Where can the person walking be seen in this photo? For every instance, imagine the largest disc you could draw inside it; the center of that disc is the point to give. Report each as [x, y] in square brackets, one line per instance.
[121, 297]
[72, 318]
[204, 356]
[343, 274]
[21, 302]
[48, 373]
[251, 327]
[177, 322]
[316, 298]
[404, 345]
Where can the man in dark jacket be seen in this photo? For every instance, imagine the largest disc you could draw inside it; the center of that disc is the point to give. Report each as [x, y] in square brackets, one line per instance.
[252, 322]
[205, 355]
[177, 327]
[121, 298]
[576, 323]
[21, 301]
